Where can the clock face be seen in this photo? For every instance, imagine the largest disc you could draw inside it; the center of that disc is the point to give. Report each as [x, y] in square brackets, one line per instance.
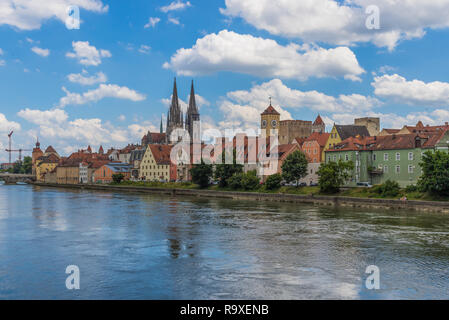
[273, 123]
[264, 123]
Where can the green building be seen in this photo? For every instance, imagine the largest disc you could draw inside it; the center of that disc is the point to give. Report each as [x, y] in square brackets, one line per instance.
[391, 157]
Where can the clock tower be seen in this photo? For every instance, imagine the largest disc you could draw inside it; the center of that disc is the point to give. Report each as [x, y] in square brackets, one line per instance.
[270, 120]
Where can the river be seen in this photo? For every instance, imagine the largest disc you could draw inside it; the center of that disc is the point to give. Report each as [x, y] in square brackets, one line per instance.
[135, 246]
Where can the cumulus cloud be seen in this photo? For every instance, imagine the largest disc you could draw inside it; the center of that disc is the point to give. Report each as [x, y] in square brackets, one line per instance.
[6, 125]
[230, 51]
[29, 15]
[175, 5]
[86, 54]
[103, 91]
[152, 22]
[58, 130]
[342, 22]
[414, 92]
[2, 62]
[40, 51]
[84, 79]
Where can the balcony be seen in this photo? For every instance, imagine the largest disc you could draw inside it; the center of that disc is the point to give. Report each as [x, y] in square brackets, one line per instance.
[375, 171]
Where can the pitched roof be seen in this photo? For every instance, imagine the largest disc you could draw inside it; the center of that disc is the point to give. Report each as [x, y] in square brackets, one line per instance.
[320, 138]
[270, 110]
[391, 131]
[346, 131]
[118, 166]
[318, 121]
[50, 149]
[300, 141]
[161, 153]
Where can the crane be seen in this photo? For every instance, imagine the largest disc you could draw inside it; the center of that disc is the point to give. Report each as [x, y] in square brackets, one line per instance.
[9, 150]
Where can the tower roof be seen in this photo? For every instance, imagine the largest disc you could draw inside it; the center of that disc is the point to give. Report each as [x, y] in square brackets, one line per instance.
[50, 149]
[192, 102]
[318, 121]
[270, 110]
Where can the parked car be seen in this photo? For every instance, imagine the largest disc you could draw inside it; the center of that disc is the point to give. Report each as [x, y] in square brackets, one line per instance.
[314, 184]
[364, 184]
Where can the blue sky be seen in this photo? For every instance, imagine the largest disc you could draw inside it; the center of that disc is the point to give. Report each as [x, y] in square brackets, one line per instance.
[108, 81]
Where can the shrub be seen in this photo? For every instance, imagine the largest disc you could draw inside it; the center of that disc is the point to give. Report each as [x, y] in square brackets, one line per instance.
[273, 181]
[411, 188]
[201, 174]
[294, 167]
[388, 189]
[333, 175]
[250, 180]
[235, 182]
[118, 177]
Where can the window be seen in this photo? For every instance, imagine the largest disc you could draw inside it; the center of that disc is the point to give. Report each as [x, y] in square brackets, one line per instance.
[346, 157]
[329, 158]
[410, 169]
[374, 157]
[385, 169]
[410, 156]
[398, 156]
[385, 156]
[335, 158]
[398, 169]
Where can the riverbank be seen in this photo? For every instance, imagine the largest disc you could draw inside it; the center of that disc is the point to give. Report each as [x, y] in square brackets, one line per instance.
[335, 201]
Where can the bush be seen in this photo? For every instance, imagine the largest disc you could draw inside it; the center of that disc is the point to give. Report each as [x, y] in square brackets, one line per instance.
[250, 180]
[294, 167]
[411, 188]
[235, 182]
[388, 189]
[273, 181]
[435, 177]
[117, 178]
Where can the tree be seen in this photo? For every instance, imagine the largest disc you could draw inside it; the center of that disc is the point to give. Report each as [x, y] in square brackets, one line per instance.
[333, 175]
[250, 180]
[273, 181]
[435, 177]
[294, 167]
[201, 174]
[27, 165]
[236, 181]
[118, 177]
[225, 171]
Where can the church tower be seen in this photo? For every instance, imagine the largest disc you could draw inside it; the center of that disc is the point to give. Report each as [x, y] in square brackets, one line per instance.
[270, 120]
[174, 115]
[192, 115]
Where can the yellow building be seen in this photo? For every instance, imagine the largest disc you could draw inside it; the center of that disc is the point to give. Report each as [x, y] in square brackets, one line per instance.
[156, 164]
[342, 132]
[44, 165]
[269, 120]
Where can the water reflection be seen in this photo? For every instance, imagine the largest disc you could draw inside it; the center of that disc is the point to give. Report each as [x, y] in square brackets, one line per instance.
[148, 246]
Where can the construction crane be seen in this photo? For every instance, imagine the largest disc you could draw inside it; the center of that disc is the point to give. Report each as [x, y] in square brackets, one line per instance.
[9, 150]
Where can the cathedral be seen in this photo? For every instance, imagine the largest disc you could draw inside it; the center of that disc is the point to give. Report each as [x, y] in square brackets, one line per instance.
[175, 120]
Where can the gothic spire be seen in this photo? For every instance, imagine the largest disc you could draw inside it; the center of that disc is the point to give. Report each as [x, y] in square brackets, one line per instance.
[161, 130]
[192, 102]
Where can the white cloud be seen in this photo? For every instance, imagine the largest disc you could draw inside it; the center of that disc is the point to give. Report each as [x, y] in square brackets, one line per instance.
[29, 15]
[137, 131]
[144, 49]
[176, 5]
[46, 117]
[58, 130]
[122, 117]
[342, 22]
[152, 22]
[174, 20]
[40, 51]
[6, 125]
[1, 51]
[414, 92]
[84, 79]
[103, 91]
[230, 51]
[2, 62]
[86, 54]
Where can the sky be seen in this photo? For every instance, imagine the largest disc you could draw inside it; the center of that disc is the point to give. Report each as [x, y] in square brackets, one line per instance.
[110, 80]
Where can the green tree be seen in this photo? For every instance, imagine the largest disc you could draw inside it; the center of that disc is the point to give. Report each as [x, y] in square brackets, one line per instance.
[27, 165]
[333, 175]
[435, 177]
[388, 189]
[273, 181]
[201, 174]
[250, 180]
[225, 171]
[118, 177]
[294, 167]
[236, 181]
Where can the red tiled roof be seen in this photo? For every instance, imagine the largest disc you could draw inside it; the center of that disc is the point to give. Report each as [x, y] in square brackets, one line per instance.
[270, 110]
[391, 131]
[300, 141]
[320, 138]
[161, 153]
[50, 149]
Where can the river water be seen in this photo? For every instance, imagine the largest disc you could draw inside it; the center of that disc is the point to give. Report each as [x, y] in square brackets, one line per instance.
[134, 246]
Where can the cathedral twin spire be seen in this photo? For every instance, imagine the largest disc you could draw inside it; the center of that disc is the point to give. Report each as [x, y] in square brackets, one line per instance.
[175, 118]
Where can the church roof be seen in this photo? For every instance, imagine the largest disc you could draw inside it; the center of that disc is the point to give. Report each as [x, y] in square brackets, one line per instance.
[50, 149]
[270, 110]
[318, 121]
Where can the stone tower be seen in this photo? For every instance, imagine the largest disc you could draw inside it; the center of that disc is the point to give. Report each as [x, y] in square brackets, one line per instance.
[37, 153]
[192, 116]
[372, 124]
[174, 115]
[269, 120]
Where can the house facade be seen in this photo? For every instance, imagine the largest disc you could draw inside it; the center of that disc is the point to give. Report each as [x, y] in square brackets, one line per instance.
[105, 172]
[156, 164]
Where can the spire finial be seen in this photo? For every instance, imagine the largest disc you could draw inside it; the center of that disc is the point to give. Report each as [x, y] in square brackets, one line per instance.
[270, 101]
